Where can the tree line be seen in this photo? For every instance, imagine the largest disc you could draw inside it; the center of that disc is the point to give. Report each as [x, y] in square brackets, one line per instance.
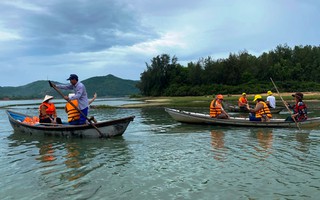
[292, 69]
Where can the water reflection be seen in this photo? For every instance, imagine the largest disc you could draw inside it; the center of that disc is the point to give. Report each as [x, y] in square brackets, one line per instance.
[62, 161]
[46, 153]
[265, 141]
[217, 142]
[303, 141]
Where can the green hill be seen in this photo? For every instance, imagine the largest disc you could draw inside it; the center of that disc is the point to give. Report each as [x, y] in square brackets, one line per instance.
[104, 86]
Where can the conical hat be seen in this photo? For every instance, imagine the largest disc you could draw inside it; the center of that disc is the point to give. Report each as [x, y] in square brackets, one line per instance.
[47, 97]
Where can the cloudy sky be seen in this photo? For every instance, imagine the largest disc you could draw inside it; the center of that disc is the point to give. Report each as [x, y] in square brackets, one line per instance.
[50, 39]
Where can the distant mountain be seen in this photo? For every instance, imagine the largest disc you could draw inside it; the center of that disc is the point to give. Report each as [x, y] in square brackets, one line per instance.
[104, 86]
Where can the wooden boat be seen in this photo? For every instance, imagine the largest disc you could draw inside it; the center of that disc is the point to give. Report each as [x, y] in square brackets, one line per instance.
[237, 109]
[199, 118]
[107, 128]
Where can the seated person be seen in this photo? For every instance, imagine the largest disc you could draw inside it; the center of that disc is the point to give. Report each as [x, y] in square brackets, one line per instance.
[243, 102]
[73, 113]
[216, 108]
[261, 112]
[47, 111]
[299, 109]
[271, 100]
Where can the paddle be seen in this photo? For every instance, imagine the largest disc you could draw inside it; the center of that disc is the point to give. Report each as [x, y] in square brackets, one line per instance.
[285, 104]
[89, 120]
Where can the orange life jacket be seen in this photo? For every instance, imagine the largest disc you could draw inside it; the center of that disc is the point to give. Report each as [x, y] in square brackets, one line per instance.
[73, 114]
[51, 109]
[264, 111]
[215, 108]
[31, 121]
[242, 100]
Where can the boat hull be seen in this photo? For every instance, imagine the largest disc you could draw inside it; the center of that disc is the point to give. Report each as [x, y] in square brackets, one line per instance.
[198, 118]
[108, 129]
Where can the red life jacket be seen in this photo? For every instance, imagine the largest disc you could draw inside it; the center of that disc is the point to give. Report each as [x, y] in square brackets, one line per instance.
[301, 109]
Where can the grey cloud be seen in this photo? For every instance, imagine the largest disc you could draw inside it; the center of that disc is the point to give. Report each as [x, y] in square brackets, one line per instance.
[77, 26]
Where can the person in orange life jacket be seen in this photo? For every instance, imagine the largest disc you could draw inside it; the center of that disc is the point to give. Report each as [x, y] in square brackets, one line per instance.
[47, 111]
[73, 113]
[261, 112]
[243, 102]
[216, 108]
[80, 95]
[299, 109]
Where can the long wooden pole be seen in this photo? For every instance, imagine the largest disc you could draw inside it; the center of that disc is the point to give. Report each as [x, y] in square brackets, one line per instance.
[285, 104]
[89, 120]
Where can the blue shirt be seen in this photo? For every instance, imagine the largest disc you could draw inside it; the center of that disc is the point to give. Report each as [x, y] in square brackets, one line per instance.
[80, 93]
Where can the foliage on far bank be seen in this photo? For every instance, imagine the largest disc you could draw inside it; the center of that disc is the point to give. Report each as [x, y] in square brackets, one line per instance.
[292, 69]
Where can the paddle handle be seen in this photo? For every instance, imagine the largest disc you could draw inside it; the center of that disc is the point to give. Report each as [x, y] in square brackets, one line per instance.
[285, 103]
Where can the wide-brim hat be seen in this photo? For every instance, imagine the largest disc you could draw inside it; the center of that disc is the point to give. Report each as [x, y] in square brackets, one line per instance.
[47, 97]
[269, 92]
[298, 94]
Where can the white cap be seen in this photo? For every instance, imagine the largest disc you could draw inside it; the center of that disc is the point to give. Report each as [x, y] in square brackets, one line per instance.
[71, 95]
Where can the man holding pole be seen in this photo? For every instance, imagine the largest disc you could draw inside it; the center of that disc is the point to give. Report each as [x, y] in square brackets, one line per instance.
[80, 95]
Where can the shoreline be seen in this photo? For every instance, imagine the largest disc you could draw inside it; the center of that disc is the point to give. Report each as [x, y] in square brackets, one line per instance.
[204, 101]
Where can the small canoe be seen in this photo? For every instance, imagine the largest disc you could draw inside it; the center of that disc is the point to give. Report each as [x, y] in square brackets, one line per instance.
[108, 128]
[237, 109]
[199, 118]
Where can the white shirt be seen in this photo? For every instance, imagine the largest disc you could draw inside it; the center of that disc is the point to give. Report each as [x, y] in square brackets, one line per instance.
[272, 101]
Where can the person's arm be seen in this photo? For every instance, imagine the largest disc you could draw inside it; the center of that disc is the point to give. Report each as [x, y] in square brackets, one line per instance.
[44, 112]
[55, 115]
[94, 98]
[64, 87]
[258, 107]
[224, 112]
[268, 100]
[240, 103]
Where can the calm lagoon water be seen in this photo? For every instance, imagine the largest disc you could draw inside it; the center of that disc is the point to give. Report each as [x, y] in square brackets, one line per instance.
[158, 158]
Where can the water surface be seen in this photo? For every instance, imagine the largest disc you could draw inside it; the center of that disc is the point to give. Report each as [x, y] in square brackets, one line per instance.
[158, 158]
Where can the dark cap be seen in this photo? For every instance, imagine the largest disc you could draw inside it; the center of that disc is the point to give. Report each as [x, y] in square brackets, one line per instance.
[73, 76]
[298, 94]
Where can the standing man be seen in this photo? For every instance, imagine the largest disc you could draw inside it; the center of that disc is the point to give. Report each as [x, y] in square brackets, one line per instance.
[271, 100]
[80, 95]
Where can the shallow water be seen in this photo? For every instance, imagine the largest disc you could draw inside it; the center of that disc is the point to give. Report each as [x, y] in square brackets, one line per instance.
[158, 158]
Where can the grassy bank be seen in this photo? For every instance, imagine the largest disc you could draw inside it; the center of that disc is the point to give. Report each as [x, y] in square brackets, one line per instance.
[204, 101]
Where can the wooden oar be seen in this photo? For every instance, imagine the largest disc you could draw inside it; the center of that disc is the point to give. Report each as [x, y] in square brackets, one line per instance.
[285, 104]
[89, 120]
